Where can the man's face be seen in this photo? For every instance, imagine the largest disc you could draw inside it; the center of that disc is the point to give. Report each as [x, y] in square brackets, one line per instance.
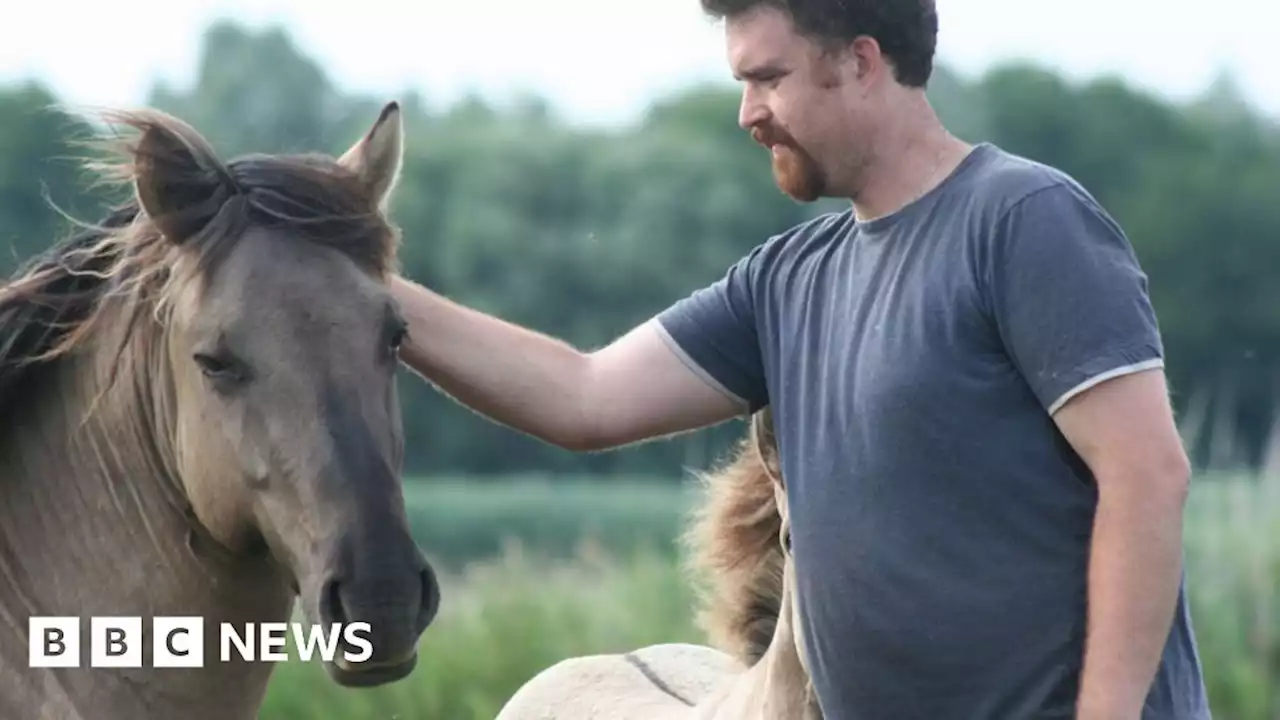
[798, 102]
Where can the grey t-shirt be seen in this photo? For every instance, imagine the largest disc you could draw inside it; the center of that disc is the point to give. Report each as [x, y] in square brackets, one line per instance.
[941, 523]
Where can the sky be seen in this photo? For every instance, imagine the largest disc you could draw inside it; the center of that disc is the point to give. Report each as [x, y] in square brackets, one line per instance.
[604, 62]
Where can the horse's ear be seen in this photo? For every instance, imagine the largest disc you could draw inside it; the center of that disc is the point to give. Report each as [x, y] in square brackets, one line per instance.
[178, 181]
[378, 156]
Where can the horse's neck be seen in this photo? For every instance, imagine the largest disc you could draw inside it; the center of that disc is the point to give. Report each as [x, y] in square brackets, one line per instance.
[92, 523]
[783, 681]
[775, 688]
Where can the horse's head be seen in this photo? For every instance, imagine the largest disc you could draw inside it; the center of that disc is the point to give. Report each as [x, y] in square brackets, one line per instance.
[282, 343]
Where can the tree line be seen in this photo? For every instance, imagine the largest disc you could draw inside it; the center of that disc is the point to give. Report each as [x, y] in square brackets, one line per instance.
[583, 232]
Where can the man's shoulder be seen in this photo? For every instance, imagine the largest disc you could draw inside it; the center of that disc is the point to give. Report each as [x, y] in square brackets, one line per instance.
[788, 246]
[1001, 180]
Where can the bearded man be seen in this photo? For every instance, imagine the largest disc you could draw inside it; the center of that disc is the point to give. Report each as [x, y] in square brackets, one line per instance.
[985, 480]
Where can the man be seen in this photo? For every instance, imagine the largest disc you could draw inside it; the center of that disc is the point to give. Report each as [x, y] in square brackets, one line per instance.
[986, 483]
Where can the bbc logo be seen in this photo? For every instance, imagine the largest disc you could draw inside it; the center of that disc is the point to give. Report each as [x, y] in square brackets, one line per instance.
[116, 642]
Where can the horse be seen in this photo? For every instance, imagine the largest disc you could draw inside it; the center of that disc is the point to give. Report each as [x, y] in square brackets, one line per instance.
[754, 667]
[201, 420]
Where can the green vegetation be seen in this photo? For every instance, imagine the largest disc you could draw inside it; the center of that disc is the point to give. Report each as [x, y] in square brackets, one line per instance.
[582, 232]
[553, 591]
[501, 623]
[1233, 558]
[458, 522]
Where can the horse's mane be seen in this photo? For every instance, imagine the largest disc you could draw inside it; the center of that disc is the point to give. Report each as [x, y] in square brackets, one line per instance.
[50, 305]
[733, 543]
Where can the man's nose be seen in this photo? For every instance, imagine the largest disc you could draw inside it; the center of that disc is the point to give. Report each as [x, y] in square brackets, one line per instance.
[752, 111]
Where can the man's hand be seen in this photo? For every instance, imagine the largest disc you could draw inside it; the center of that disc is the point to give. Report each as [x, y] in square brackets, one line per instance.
[1125, 431]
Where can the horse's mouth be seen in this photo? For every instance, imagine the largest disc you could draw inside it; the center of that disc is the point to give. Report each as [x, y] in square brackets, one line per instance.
[370, 674]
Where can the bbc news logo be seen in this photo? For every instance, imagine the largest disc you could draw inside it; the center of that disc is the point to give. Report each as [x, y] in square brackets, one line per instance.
[179, 642]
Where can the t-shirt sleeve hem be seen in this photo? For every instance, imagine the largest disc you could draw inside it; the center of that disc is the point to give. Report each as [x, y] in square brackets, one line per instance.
[1099, 372]
[698, 369]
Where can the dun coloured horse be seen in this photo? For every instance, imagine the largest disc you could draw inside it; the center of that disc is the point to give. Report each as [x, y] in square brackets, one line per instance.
[200, 419]
[740, 540]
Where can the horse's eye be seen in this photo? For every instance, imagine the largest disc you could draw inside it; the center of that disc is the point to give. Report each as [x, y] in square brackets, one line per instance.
[215, 367]
[398, 336]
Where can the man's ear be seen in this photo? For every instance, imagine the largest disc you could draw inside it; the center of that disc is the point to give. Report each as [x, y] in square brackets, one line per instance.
[178, 180]
[378, 156]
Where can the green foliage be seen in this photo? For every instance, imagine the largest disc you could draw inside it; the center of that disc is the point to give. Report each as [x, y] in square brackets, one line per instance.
[582, 233]
[1233, 567]
[38, 147]
[543, 596]
[457, 521]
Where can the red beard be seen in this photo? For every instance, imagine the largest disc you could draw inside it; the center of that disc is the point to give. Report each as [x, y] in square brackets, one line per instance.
[794, 170]
[796, 174]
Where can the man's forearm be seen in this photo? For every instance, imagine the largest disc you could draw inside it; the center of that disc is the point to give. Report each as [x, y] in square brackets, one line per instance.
[1134, 575]
[513, 375]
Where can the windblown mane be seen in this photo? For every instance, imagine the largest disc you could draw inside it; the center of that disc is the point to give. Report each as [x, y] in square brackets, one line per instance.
[51, 305]
[733, 543]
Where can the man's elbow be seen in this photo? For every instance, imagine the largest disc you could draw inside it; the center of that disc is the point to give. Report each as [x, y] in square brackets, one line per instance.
[580, 426]
[590, 429]
[1172, 475]
[1165, 478]
[579, 442]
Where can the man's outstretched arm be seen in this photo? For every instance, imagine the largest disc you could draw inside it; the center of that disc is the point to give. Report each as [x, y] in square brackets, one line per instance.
[632, 390]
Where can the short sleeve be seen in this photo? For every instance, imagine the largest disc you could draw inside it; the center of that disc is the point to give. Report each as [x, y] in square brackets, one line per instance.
[1068, 295]
[714, 331]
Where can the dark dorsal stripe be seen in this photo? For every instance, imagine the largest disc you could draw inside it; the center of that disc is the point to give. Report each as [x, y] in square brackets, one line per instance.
[653, 677]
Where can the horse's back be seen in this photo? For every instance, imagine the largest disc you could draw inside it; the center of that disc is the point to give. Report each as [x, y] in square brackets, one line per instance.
[653, 683]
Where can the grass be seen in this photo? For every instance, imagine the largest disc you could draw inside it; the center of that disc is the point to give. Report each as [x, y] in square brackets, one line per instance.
[587, 567]
[1233, 569]
[501, 622]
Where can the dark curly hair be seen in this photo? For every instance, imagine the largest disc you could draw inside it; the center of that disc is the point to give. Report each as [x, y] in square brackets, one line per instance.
[907, 30]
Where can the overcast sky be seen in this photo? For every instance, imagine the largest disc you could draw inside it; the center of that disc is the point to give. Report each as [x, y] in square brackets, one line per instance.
[603, 61]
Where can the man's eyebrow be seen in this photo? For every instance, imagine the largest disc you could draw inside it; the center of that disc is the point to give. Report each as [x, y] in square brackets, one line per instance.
[759, 72]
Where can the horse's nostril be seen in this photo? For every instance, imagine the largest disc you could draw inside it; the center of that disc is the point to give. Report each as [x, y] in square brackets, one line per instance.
[430, 597]
[331, 610]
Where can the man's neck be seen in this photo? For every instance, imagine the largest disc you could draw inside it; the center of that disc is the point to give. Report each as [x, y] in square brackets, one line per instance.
[911, 156]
